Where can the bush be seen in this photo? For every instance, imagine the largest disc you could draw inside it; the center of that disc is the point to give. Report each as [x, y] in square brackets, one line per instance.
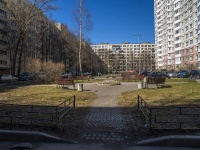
[51, 70]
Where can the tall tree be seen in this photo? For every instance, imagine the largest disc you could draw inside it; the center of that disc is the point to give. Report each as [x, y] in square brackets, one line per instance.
[23, 15]
[83, 24]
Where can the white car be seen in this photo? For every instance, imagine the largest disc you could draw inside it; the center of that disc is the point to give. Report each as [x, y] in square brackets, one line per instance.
[8, 77]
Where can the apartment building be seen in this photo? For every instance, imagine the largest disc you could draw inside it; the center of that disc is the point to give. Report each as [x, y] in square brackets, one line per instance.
[176, 34]
[41, 37]
[126, 57]
[4, 56]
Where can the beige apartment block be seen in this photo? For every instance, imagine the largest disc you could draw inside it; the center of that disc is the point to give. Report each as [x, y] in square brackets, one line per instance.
[126, 57]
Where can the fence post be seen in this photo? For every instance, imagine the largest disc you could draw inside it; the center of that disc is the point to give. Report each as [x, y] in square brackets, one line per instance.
[74, 104]
[138, 102]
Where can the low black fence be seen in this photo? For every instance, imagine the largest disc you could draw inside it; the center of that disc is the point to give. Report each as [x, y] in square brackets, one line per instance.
[169, 118]
[64, 109]
[33, 115]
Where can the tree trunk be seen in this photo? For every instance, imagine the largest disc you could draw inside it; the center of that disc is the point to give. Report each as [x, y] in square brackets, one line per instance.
[20, 57]
[14, 57]
[80, 39]
[47, 46]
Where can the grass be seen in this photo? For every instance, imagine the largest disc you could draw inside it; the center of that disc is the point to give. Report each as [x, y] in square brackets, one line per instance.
[177, 94]
[43, 95]
[179, 80]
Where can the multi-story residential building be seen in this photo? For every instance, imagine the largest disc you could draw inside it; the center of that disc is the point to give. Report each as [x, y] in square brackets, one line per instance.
[126, 56]
[4, 55]
[176, 34]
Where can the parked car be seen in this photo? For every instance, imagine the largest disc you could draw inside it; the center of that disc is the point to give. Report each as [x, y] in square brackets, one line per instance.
[195, 74]
[158, 74]
[86, 74]
[41, 75]
[8, 77]
[175, 75]
[26, 76]
[66, 75]
[183, 74]
[170, 74]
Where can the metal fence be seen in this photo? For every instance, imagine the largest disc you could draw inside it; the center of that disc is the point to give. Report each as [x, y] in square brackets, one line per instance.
[65, 108]
[169, 118]
[34, 115]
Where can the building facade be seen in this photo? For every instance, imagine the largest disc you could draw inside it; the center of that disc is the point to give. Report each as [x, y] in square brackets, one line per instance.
[176, 34]
[4, 55]
[126, 57]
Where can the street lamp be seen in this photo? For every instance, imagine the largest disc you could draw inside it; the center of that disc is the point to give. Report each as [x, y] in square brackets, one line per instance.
[139, 52]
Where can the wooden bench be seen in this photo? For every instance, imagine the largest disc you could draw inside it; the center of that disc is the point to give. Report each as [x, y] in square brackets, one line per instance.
[159, 81]
[132, 77]
[82, 78]
[61, 82]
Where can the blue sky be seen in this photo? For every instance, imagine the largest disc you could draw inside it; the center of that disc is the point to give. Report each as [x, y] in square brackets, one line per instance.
[114, 21]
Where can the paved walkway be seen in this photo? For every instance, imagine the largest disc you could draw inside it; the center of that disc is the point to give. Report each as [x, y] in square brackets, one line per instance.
[106, 121]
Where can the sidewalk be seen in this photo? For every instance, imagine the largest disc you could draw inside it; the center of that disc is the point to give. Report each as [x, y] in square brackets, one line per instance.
[106, 122]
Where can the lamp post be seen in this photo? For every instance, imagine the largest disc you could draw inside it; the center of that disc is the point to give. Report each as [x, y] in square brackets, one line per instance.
[139, 52]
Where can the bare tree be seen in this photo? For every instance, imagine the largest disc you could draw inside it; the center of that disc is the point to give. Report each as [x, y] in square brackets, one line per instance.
[83, 24]
[23, 17]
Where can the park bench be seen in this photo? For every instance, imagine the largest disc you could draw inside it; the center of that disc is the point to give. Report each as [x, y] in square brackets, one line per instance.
[159, 81]
[62, 82]
[132, 77]
[82, 78]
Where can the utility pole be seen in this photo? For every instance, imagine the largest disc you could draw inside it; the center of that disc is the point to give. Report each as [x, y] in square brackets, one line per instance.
[137, 35]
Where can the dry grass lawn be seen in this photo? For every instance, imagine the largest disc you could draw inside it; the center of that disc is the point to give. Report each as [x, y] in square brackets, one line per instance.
[177, 94]
[43, 95]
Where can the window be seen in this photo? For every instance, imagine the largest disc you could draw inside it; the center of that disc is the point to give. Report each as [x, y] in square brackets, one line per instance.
[177, 31]
[191, 42]
[191, 26]
[186, 36]
[191, 58]
[191, 34]
[177, 38]
[177, 45]
[190, 9]
[176, 4]
[177, 59]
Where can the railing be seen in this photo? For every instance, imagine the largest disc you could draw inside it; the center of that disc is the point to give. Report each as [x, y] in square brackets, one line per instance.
[169, 118]
[32, 115]
[64, 108]
[144, 109]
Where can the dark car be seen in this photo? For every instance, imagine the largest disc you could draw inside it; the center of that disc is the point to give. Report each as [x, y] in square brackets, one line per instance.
[67, 75]
[195, 74]
[25, 76]
[183, 74]
[158, 74]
